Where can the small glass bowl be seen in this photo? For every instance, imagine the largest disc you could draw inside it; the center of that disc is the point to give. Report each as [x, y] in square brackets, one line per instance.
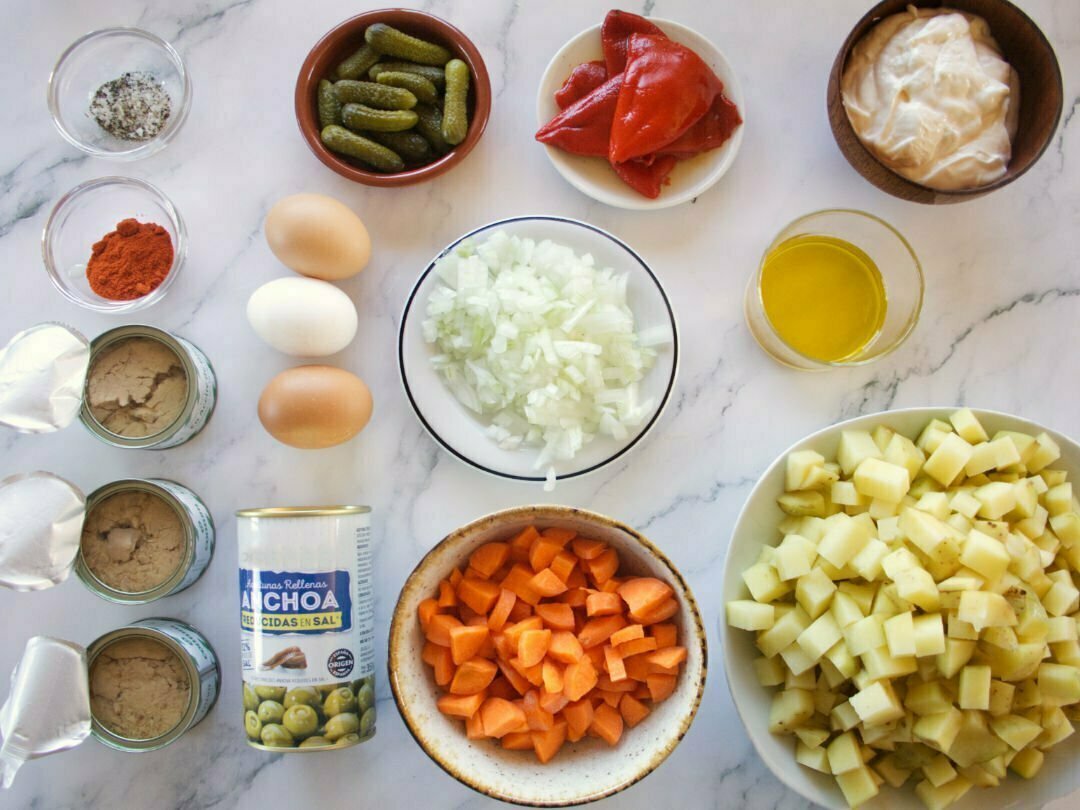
[89, 211]
[100, 57]
[901, 275]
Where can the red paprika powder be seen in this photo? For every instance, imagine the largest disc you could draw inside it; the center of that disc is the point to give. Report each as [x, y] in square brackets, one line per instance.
[131, 261]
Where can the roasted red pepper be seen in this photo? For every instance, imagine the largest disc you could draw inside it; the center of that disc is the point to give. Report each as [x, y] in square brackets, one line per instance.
[582, 80]
[646, 176]
[584, 128]
[615, 34]
[666, 89]
[709, 132]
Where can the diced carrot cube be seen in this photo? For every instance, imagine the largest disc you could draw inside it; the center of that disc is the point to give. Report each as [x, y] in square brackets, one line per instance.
[517, 741]
[556, 615]
[637, 646]
[603, 568]
[541, 554]
[575, 597]
[461, 705]
[489, 558]
[553, 676]
[642, 692]
[466, 641]
[473, 676]
[637, 667]
[666, 635]
[426, 609]
[501, 687]
[667, 659]
[438, 629]
[579, 679]
[518, 582]
[563, 564]
[447, 597]
[588, 549]
[578, 716]
[533, 646]
[660, 686]
[603, 604]
[513, 677]
[474, 727]
[520, 545]
[628, 633]
[513, 632]
[455, 577]
[610, 698]
[475, 619]
[537, 718]
[500, 717]
[479, 594]
[624, 685]
[533, 674]
[501, 612]
[633, 711]
[607, 723]
[577, 579]
[598, 630]
[504, 647]
[558, 535]
[546, 583]
[547, 743]
[663, 612]
[644, 594]
[565, 647]
[596, 655]
[614, 665]
[553, 702]
[520, 610]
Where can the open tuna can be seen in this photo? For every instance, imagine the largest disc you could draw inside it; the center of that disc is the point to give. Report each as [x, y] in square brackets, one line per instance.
[135, 689]
[133, 386]
[131, 541]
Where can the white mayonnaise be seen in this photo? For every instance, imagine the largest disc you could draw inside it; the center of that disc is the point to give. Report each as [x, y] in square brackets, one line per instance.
[928, 92]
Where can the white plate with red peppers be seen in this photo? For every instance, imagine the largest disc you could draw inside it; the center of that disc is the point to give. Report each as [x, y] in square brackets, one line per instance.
[640, 113]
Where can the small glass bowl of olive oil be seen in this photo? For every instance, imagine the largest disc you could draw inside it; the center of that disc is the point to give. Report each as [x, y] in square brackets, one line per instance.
[835, 288]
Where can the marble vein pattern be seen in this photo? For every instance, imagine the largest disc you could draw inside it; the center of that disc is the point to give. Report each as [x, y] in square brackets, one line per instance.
[999, 330]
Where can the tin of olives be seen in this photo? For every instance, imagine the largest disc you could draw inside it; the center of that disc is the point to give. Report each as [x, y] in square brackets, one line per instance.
[307, 627]
[194, 665]
[134, 386]
[160, 528]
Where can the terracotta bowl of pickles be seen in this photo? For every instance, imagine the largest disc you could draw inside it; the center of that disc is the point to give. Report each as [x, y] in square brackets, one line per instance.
[547, 656]
[416, 98]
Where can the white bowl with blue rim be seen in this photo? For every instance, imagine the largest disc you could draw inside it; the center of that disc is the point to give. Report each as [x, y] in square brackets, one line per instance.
[463, 433]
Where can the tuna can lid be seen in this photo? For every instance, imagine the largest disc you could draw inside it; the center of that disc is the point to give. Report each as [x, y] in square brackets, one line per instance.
[42, 378]
[41, 520]
[302, 511]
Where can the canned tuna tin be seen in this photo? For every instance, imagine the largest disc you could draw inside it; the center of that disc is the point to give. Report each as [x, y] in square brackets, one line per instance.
[123, 409]
[143, 539]
[177, 677]
[307, 621]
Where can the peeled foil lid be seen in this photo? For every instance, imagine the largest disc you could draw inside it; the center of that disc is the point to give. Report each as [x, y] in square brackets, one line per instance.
[42, 377]
[48, 708]
[41, 518]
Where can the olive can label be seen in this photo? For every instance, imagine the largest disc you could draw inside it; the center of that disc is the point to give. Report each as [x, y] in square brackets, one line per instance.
[202, 524]
[204, 394]
[307, 628]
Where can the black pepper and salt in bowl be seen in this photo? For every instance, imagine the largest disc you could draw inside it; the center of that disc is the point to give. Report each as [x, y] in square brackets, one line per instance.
[119, 93]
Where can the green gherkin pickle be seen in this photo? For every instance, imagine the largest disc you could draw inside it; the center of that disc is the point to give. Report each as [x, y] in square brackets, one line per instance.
[340, 140]
[412, 146]
[358, 63]
[455, 123]
[415, 84]
[396, 43]
[435, 75]
[373, 94]
[329, 104]
[360, 116]
[429, 124]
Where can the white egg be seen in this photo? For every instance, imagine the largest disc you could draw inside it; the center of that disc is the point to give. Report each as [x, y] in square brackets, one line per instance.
[303, 317]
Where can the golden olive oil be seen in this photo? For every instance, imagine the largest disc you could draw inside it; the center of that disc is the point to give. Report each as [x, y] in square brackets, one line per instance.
[824, 296]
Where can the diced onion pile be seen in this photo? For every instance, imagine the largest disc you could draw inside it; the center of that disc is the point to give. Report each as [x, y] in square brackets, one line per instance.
[542, 342]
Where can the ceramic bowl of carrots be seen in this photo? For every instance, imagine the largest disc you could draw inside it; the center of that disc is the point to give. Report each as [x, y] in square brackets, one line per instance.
[547, 656]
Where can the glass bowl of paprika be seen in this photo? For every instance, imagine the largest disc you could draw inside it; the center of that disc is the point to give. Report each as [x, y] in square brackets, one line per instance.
[114, 244]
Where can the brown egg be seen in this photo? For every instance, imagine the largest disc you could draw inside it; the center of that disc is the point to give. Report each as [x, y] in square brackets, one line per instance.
[312, 407]
[317, 236]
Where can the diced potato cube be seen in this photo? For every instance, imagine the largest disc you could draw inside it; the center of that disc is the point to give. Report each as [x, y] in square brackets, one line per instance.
[934, 503]
[1015, 664]
[1061, 628]
[862, 594]
[1056, 727]
[855, 445]
[947, 462]
[1004, 637]
[843, 717]
[893, 774]
[963, 580]
[1063, 597]
[877, 704]
[1001, 697]
[858, 786]
[843, 540]
[930, 697]
[900, 635]
[982, 609]
[889, 529]
[935, 538]
[1046, 453]
[867, 563]
[842, 659]
[747, 614]
[997, 498]
[969, 427]
[865, 635]
[783, 633]
[929, 635]
[933, 434]
[1067, 527]
[815, 758]
[879, 509]
[764, 583]
[899, 560]
[1027, 763]
[957, 653]
[984, 555]
[880, 664]
[1034, 527]
[769, 671]
[1066, 652]
[965, 503]
[797, 660]
[812, 737]
[958, 628]
[974, 692]
[879, 479]
[917, 586]
[819, 637]
[1025, 444]
[1058, 499]
[1059, 684]
[800, 468]
[807, 679]
[1018, 732]
[940, 797]
[882, 435]
[814, 592]
[789, 710]
[845, 609]
[903, 452]
[939, 770]
[845, 494]
[995, 455]
[845, 754]
[939, 730]
[794, 557]
[1027, 695]
[1032, 623]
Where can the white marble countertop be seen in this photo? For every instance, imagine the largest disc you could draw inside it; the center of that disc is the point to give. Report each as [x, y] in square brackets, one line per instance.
[999, 331]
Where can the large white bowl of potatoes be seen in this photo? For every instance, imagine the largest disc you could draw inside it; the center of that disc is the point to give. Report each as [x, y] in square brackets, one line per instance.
[902, 611]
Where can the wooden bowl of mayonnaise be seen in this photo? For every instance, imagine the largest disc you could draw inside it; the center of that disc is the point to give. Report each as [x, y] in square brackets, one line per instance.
[912, 133]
